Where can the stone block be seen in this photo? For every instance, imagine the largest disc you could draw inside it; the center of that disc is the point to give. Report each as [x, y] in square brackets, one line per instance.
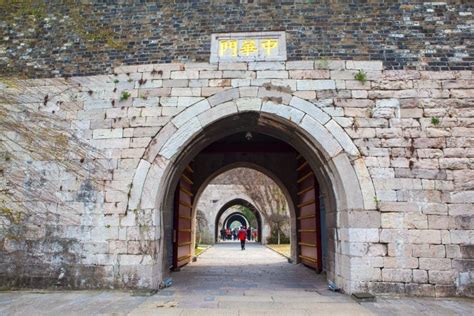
[401, 75]
[319, 132]
[217, 112]
[272, 74]
[441, 277]
[179, 138]
[238, 74]
[97, 104]
[354, 103]
[329, 64]
[310, 109]
[387, 103]
[156, 92]
[151, 186]
[315, 84]
[200, 66]
[400, 262]
[287, 112]
[435, 263]
[453, 251]
[463, 237]
[364, 65]
[396, 275]
[206, 92]
[377, 250]
[360, 219]
[429, 251]
[220, 82]
[212, 74]
[137, 184]
[240, 83]
[463, 264]
[416, 221]
[186, 92]
[359, 94]
[392, 220]
[190, 112]
[420, 276]
[117, 246]
[398, 206]
[426, 236]
[344, 140]
[187, 74]
[176, 83]
[248, 92]
[249, 104]
[392, 85]
[416, 289]
[434, 209]
[274, 95]
[309, 74]
[135, 260]
[299, 64]
[224, 96]
[268, 65]
[151, 83]
[233, 66]
[107, 133]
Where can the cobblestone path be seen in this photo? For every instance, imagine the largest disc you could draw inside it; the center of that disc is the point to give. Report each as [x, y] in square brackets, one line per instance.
[228, 281]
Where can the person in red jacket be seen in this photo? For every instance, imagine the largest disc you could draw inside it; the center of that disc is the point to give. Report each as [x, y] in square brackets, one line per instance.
[242, 237]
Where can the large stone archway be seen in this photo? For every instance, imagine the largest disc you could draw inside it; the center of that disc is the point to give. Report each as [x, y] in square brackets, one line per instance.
[335, 159]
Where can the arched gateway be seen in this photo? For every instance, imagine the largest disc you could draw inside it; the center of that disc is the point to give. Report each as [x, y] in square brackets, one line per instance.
[238, 216]
[328, 169]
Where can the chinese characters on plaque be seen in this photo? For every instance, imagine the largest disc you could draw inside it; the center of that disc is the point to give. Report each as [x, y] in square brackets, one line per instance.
[260, 46]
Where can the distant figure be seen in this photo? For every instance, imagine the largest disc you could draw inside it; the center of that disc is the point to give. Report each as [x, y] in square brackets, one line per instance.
[234, 234]
[249, 233]
[228, 233]
[223, 234]
[242, 236]
[254, 234]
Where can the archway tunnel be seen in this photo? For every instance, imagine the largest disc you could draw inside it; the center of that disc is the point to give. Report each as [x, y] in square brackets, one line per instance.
[225, 223]
[251, 140]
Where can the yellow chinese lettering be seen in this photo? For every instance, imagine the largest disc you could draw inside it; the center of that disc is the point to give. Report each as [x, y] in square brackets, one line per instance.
[268, 45]
[248, 47]
[228, 45]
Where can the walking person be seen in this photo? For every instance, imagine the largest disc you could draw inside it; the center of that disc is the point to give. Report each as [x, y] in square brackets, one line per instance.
[223, 234]
[242, 237]
[249, 233]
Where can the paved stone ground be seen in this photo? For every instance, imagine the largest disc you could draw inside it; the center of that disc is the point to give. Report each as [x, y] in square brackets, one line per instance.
[228, 281]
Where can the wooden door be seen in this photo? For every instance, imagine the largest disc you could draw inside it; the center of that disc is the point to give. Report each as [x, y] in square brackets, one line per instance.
[308, 216]
[183, 208]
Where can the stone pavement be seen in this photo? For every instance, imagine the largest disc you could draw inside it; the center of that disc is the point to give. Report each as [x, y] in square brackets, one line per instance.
[228, 281]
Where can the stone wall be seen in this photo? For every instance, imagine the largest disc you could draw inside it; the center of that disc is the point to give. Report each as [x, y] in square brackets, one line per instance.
[412, 129]
[41, 39]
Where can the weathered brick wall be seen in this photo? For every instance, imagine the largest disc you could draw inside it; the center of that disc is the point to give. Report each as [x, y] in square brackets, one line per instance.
[413, 129]
[74, 38]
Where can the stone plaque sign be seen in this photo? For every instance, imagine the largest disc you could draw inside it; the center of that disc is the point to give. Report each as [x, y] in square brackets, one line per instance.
[255, 46]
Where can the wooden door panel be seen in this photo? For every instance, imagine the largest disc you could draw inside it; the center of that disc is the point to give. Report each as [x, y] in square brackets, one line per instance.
[183, 220]
[308, 225]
